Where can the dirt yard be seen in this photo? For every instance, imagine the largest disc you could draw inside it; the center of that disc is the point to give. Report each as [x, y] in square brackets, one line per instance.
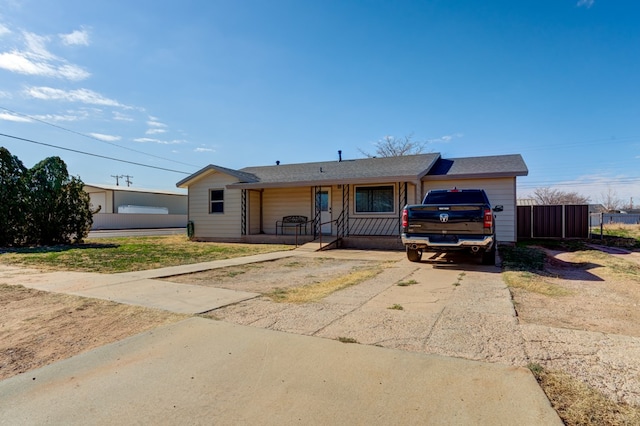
[39, 328]
[589, 328]
[589, 296]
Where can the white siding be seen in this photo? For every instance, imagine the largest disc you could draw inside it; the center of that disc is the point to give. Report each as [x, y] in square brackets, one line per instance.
[176, 204]
[138, 221]
[500, 191]
[279, 202]
[224, 226]
[99, 199]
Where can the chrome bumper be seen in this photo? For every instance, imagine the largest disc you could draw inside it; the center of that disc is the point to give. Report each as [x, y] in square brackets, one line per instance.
[420, 242]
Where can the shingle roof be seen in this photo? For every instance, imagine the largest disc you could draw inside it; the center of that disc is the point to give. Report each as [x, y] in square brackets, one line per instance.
[473, 167]
[368, 170]
[335, 172]
[240, 175]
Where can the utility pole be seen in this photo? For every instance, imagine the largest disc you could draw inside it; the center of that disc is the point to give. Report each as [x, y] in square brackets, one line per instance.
[117, 179]
[128, 179]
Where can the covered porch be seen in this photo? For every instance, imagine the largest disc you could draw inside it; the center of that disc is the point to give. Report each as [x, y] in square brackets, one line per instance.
[346, 215]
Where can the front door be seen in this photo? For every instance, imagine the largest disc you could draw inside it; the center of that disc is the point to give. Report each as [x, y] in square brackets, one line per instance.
[324, 201]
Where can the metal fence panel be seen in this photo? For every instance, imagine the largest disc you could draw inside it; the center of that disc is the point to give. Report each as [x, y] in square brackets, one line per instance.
[628, 219]
[568, 221]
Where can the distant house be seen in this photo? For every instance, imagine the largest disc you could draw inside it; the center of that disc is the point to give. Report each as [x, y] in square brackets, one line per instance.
[122, 207]
[357, 202]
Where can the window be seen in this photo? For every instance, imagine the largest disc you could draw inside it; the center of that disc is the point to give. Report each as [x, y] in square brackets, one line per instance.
[217, 201]
[374, 199]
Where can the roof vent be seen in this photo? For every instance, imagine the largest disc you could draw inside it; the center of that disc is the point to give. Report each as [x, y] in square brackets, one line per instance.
[277, 162]
[340, 155]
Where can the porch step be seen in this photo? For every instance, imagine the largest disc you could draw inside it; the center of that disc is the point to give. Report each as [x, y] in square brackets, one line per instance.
[315, 245]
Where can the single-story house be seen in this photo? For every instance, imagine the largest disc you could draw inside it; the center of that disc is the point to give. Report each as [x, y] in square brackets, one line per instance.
[123, 207]
[357, 203]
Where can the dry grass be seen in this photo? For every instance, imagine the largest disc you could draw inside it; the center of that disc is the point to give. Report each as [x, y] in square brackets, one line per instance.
[578, 404]
[622, 230]
[111, 255]
[533, 282]
[314, 292]
[609, 265]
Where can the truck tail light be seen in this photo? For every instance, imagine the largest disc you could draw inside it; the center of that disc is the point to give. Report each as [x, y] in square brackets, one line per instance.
[488, 218]
[405, 218]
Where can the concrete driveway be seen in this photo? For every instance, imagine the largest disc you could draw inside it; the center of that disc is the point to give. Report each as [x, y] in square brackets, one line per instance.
[201, 371]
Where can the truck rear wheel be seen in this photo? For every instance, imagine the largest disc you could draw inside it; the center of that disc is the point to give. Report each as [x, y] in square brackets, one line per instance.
[414, 255]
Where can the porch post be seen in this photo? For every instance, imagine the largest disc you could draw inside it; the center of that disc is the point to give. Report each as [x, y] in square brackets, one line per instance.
[317, 212]
[243, 221]
[261, 217]
[402, 201]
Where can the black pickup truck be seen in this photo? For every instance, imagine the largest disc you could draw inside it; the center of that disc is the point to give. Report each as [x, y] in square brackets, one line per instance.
[450, 220]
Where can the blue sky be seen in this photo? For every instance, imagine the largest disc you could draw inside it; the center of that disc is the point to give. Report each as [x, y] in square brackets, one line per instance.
[179, 85]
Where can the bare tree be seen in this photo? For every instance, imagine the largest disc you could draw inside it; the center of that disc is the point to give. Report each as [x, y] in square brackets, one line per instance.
[628, 205]
[610, 199]
[390, 146]
[549, 196]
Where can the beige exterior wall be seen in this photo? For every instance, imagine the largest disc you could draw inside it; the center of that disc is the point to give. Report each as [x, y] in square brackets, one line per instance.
[500, 191]
[280, 202]
[222, 226]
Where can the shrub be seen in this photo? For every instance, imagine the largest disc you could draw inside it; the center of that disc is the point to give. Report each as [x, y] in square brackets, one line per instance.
[41, 205]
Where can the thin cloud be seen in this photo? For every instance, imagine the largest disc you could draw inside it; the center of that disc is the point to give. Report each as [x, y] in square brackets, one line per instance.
[36, 59]
[75, 38]
[155, 131]
[200, 149]
[61, 117]
[85, 96]
[445, 138]
[156, 127]
[153, 122]
[106, 138]
[158, 141]
[15, 118]
[4, 30]
[585, 3]
[121, 117]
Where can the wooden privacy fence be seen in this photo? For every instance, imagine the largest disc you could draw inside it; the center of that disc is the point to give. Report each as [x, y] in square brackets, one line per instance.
[563, 221]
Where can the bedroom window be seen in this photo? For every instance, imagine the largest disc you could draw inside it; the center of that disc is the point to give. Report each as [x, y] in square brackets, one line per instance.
[374, 199]
[216, 201]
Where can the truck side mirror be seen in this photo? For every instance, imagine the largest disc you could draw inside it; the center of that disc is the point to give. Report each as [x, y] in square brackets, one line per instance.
[498, 208]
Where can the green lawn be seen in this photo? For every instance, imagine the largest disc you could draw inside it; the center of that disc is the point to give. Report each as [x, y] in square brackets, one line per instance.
[111, 255]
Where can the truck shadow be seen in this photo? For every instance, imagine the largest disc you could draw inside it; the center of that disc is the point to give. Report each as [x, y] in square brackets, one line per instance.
[458, 261]
[574, 271]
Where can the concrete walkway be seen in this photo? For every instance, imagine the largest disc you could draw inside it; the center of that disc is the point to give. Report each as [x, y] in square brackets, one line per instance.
[140, 288]
[200, 371]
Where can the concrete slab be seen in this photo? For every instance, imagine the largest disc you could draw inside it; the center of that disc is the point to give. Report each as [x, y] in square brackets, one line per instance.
[179, 298]
[207, 372]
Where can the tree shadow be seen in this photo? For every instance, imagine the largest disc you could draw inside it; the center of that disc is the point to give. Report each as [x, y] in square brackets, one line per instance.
[575, 271]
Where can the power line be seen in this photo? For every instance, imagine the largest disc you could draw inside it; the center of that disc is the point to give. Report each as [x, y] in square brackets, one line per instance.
[93, 155]
[93, 137]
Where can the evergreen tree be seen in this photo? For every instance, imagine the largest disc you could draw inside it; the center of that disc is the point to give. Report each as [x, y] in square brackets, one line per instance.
[42, 205]
[13, 215]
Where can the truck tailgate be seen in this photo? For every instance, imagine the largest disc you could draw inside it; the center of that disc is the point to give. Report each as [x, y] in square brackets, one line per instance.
[459, 219]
